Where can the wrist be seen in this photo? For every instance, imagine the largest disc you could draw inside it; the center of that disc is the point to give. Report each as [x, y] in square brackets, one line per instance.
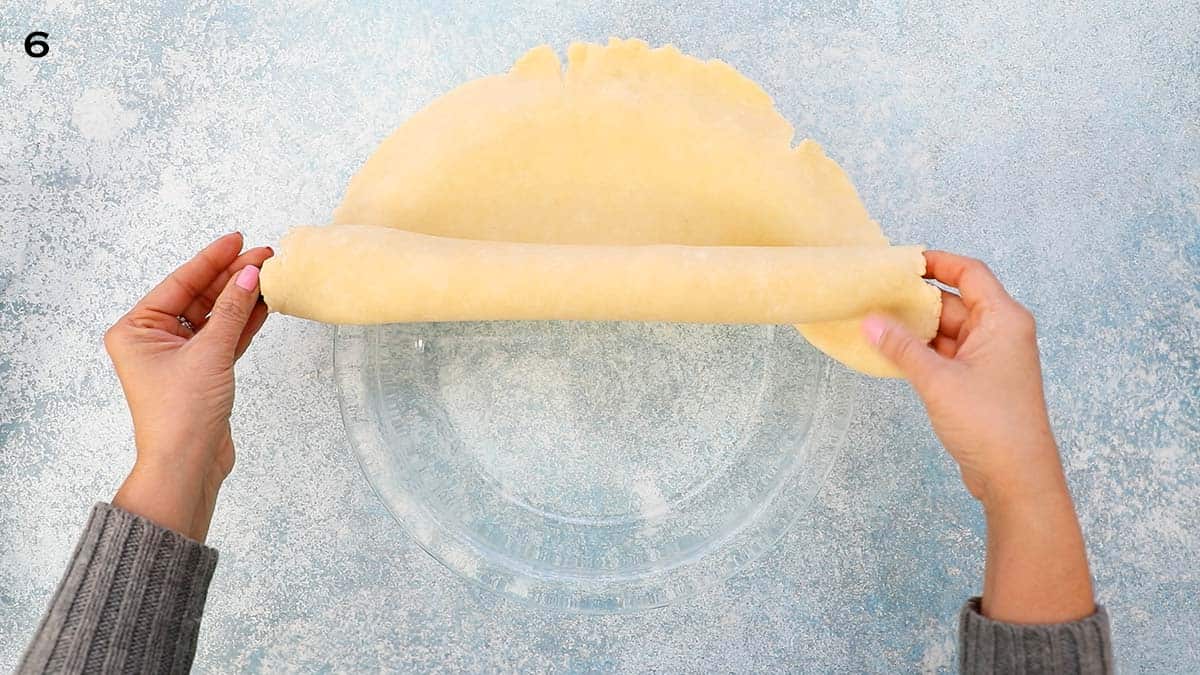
[174, 497]
[1035, 480]
[187, 449]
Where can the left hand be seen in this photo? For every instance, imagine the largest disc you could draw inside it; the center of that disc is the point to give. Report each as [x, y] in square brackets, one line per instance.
[178, 381]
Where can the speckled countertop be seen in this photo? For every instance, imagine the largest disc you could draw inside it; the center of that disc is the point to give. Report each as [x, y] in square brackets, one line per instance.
[1060, 144]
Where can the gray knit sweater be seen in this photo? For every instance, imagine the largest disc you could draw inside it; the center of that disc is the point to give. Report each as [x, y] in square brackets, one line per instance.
[133, 594]
[130, 601]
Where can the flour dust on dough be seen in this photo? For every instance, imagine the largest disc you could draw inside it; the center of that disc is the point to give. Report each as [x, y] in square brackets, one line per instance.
[626, 147]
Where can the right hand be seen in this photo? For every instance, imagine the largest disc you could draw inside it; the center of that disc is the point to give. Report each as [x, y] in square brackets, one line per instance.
[981, 383]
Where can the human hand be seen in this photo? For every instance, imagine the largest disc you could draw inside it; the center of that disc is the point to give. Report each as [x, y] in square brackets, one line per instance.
[981, 382]
[178, 381]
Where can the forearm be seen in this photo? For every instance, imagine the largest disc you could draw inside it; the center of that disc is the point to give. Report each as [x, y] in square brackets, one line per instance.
[1036, 569]
[1037, 612]
[130, 600]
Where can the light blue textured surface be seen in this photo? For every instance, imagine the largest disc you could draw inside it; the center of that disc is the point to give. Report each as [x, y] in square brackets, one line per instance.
[1061, 144]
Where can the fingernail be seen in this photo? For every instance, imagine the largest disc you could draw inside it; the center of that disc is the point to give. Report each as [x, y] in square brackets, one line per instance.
[248, 277]
[873, 327]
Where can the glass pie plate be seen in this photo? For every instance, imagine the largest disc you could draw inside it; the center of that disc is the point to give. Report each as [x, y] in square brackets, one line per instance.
[592, 467]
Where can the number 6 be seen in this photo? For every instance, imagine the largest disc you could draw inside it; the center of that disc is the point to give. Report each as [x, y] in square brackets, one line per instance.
[35, 44]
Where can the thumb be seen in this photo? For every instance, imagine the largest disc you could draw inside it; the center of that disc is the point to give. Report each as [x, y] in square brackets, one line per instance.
[914, 358]
[231, 311]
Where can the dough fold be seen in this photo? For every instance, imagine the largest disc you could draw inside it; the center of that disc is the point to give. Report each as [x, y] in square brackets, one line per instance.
[362, 274]
[624, 147]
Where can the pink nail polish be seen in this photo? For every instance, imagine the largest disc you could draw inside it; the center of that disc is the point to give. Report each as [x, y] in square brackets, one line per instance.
[248, 277]
[872, 328]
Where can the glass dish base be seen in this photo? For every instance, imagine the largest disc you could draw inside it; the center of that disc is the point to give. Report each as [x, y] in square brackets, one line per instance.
[592, 467]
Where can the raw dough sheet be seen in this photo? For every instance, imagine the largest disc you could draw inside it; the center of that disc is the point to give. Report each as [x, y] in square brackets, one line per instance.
[626, 147]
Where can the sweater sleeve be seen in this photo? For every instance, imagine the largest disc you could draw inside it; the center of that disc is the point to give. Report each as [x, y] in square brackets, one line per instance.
[986, 646]
[130, 600]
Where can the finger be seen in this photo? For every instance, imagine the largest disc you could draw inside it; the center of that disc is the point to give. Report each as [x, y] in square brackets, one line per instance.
[968, 275]
[231, 313]
[177, 291]
[954, 315]
[912, 356]
[945, 346]
[257, 318]
[197, 311]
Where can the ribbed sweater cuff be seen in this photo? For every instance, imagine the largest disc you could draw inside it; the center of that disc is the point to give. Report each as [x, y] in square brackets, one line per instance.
[130, 600]
[987, 646]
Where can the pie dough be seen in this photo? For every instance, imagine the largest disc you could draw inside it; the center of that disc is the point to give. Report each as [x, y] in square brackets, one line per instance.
[442, 279]
[636, 184]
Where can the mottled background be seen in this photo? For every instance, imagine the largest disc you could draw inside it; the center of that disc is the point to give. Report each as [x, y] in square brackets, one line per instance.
[1060, 143]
